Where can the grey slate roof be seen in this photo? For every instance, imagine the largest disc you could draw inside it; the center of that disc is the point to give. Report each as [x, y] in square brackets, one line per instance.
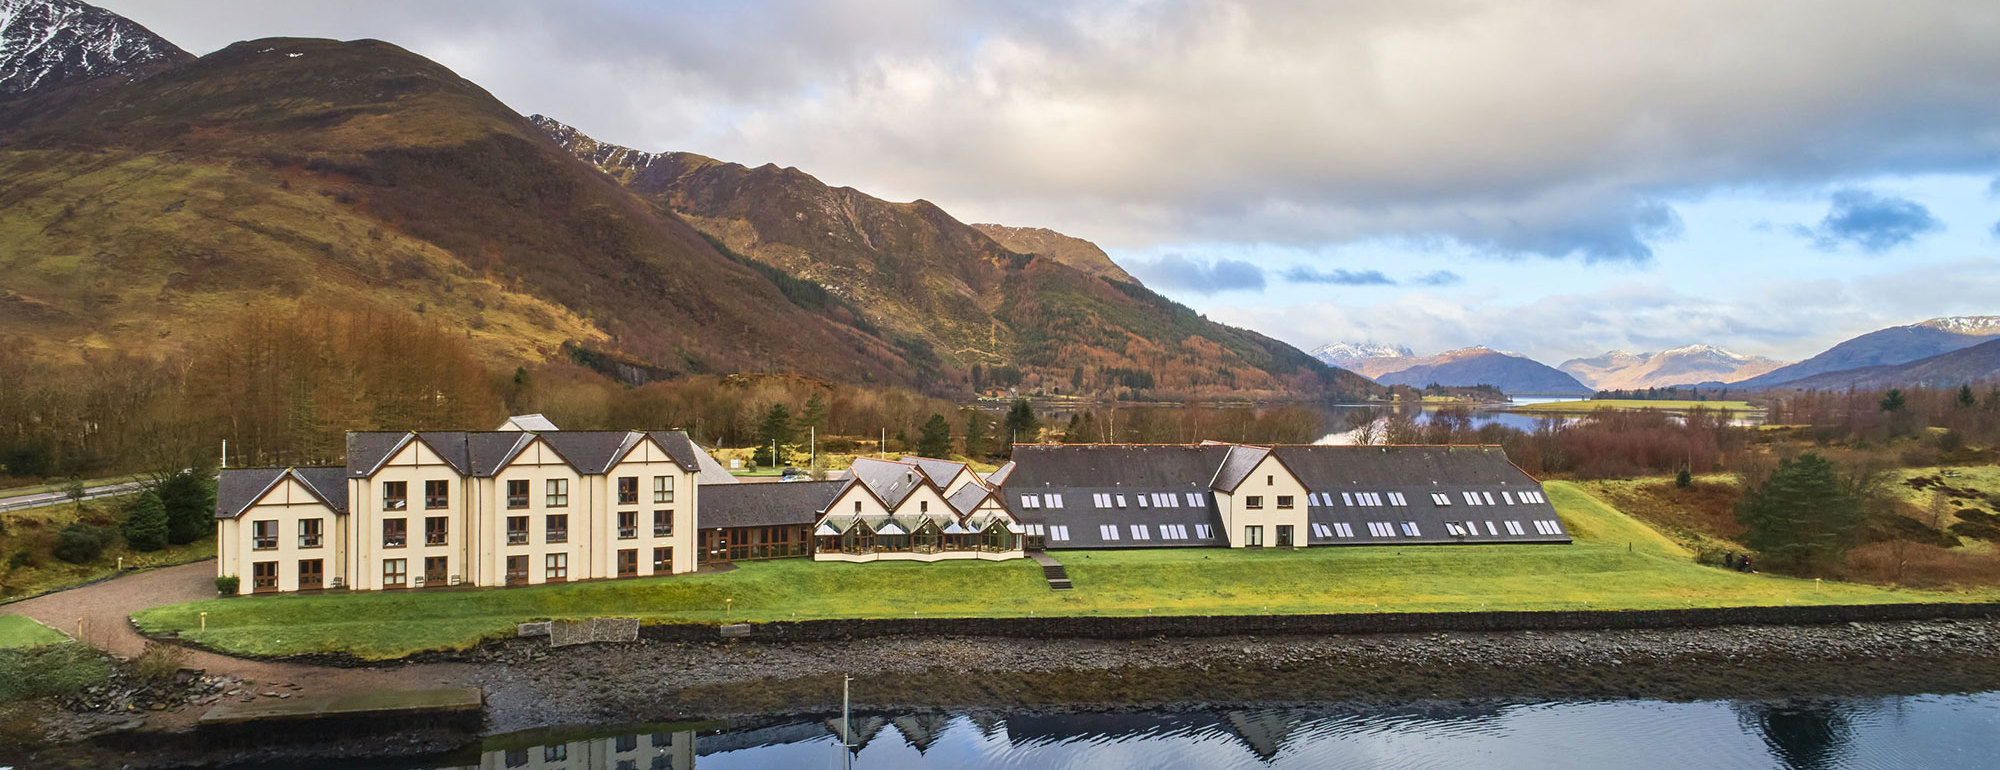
[891, 481]
[766, 504]
[1149, 466]
[237, 488]
[1237, 465]
[682, 449]
[533, 422]
[1123, 473]
[590, 452]
[481, 453]
[967, 498]
[941, 472]
[711, 472]
[1416, 472]
[1000, 474]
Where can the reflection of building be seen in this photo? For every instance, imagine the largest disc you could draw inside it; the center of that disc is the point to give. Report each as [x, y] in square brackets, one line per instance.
[649, 751]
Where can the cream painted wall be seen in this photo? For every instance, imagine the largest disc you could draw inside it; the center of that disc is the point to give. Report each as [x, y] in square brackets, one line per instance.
[644, 462]
[1270, 481]
[287, 503]
[413, 464]
[536, 464]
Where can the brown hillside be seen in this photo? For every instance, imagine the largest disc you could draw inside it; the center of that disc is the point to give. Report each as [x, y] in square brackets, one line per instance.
[942, 288]
[358, 172]
[1041, 241]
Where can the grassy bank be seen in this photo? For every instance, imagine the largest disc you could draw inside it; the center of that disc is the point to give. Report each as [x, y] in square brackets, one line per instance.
[28, 565]
[17, 631]
[1592, 405]
[1616, 563]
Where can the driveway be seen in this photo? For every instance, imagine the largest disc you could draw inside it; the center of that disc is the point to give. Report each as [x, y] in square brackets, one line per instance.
[103, 609]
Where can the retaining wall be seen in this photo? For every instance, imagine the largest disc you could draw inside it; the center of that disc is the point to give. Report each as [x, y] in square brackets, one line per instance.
[1121, 627]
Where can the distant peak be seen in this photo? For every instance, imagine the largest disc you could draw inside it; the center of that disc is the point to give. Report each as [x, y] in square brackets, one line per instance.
[45, 43]
[1974, 325]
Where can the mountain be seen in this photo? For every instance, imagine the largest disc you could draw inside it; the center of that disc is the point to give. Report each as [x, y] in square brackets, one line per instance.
[45, 44]
[948, 292]
[1511, 373]
[1356, 355]
[1977, 363]
[1075, 252]
[1688, 365]
[1885, 347]
[136, 216]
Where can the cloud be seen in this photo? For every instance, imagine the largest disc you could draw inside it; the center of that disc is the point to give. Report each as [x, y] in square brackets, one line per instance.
[1562, 129]
[1199, 276]
[1439, 278]
[1338, 276]
[1994, 188]
[1996, 229]
[1872, 222]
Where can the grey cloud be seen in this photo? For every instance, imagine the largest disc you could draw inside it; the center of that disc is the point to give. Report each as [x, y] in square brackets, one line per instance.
[1439, 278]
[1338, 276]
[1199, 276]
[1558, 129]
[1872, 222]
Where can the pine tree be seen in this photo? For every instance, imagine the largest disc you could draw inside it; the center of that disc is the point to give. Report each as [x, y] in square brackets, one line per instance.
[977, 427]
[1802, 517]
[146, 523]
[776, 430]
[189, 499]
[815, 414]
[1893, 402]
[1021, 424]
[934, 438]
[1965, 397]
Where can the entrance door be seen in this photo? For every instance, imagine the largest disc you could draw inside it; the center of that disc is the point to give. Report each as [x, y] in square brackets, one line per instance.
[628, 562]
[312, 574]
[1284, 535]
[435, 572]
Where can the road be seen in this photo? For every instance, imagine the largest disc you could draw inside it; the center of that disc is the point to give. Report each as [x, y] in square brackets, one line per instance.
[57, 497]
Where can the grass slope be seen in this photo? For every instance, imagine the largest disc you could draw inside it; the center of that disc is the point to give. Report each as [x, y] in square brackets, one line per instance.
[33, 531]
[1617, 563]
[18, 631]
[1592, 405]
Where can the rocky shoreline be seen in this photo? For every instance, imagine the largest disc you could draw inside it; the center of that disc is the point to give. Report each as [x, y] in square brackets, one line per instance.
[529, 685]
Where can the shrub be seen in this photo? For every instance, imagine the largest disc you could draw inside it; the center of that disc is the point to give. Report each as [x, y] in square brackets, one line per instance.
[146, 523]
[80, 543]
[20, 559]
[52, 669]
[159, 662]
[227, 585]
[1684, 479]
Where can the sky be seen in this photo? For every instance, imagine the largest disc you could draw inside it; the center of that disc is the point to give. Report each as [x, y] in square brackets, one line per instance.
[1548, 177]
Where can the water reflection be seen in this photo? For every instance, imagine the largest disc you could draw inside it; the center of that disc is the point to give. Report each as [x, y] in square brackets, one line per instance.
[1914, 731]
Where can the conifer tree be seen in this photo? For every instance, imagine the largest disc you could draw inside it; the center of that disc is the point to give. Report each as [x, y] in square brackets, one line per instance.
[146, 523]
[1802, 518]
[934, 438]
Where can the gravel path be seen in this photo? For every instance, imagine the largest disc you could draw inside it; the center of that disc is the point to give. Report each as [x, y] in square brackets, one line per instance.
[104, 609]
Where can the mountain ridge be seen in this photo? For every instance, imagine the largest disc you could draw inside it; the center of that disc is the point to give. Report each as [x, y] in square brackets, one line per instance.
[1680, 366]
[1891, 346]
[51, 43]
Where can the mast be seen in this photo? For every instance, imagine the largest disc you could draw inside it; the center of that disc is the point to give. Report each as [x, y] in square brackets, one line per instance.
[846, 724]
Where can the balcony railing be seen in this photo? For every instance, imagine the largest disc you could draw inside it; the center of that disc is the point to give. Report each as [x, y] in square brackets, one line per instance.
[395, 503]
[394, 541]
[628, 498]
[264, 543]
[261, 582]
[517, 501]
[663, 530]
[558, 535]
[517, 537]
[437, 502]
[434, 538]
[627, 533]
[308, 541]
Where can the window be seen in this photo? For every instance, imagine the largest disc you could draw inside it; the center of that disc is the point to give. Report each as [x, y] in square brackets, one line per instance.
[1203, 531]
[555, 566]
[556, 529]
[1100, 499]
[395, 573]
[1491, 530]
[312, 574]
[1270, 481]
[1173, 531]
[309, 532]
[628, 490]
[857, 507]
[1140, 499]
[626, 743]
[1194, 499]
[1410, 529]
[395, 533]
[1312, 499]
[1055, 501]
[1284, 502]
[663, 489]
[395, 495]
[1120, 500]
[1253, 502]
[1253, 535]
[1346, 499]
[264, 576]
[435, 529]
[1343, 530]
[558, 493]
[1139, 532]
[663, 561]
[437, 571]
[628, 562]
[663, 739]
[1320, 530]
[1508, 497]
[924, 506]
[1454, 529]
[1380, 529]
[517, 570]
[437, 494]
[1397, 498]
[1284, 535]
[1514, 528]
[556, 753]
[628, 524]
[263, 535]
[1107, 531]
[517, 493]
[517, 758]
[1027, 501]
[663, 524]
[1058, 532]
[1441, 499]
[517, 530]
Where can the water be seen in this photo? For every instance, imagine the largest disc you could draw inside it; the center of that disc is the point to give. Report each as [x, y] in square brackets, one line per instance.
[1921, 731]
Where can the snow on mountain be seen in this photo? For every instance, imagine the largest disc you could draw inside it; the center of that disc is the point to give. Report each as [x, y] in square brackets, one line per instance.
[1348, 355]
[1971, 325]
[1893, 346]
[1685, 365]
[45, 43]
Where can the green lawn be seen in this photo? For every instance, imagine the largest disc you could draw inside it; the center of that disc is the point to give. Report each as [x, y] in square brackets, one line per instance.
[1616, 563]
[1592, 405]
[18, 631]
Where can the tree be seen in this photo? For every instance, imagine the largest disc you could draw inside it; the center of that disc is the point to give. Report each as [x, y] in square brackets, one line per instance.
[189, 500]
[934, 438]
[1021, 423]
[776, 430]
[1893, 402]
[1803, 517]
[1965, 397]
[978, 428]
[1082, 429]
[146, 523]
[79, 543]
[814, 415]
[1684, 479]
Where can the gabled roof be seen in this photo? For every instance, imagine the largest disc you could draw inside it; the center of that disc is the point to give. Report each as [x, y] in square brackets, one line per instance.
[530, 422]
[941, 472]
[683, 450]
[891, 482]
[1000, 474]
[968, 497]
[1145, 466]
[766, 504]
[589, 452]
[237, 488]
[1237, 465]
[711, 472]
[483, 453]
